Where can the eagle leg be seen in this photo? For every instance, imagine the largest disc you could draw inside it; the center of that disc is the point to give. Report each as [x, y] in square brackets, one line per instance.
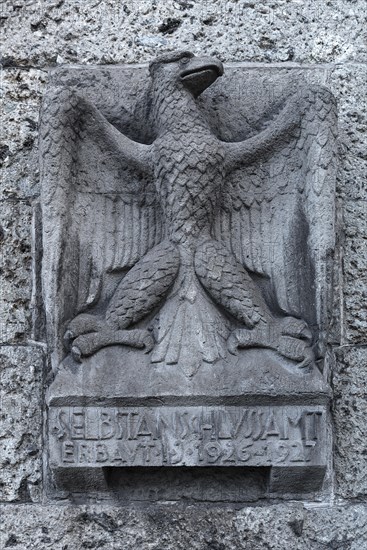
[145, 286]
[231, 286]
[142, 289]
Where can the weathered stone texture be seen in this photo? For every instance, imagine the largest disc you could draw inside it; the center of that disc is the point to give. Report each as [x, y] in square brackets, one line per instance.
[355, 271]
[348, 84]
[350, 413]
[21, 92]
[21, 423]
[15, 274]
[171, 527]
[43, 33]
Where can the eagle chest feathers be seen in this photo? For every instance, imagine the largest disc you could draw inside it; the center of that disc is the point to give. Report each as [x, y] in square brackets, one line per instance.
[188, 177]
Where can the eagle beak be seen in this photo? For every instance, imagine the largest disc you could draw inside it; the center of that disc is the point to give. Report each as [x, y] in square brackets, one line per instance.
[200, 73]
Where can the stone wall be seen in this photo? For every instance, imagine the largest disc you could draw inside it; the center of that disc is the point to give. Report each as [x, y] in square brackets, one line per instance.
[39, 35]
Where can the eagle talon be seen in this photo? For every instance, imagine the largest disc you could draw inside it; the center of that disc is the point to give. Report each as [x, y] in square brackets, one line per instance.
[232, 344]
[237, 339]
[308, 359]
[88, 344]
[76, 354]
[296, 350]
[68, 338]
[84, 323]
[148, 343]
[296, 328]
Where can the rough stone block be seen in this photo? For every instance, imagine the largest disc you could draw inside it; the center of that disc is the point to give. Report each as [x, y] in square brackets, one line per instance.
[19, 103]
[348, 84]
[350, 413]
[15, 274]
[58, 32]
[21, 423]
[181, 527]
[355, 271]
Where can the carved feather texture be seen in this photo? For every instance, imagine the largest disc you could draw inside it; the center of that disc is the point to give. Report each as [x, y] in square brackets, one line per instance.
[97, 210]
[272, 210]
[101, 216]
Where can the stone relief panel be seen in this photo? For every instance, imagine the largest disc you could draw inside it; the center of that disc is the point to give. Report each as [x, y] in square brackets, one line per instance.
[188, 228]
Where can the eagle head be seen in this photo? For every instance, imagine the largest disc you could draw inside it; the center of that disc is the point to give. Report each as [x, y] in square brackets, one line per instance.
[186, 70]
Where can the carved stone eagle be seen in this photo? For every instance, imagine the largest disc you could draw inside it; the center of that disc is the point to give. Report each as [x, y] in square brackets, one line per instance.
[174, 238]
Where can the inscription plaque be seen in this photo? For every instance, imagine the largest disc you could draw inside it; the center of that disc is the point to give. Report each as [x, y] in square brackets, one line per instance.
[279, 437]
[188, 231]
[187, 436]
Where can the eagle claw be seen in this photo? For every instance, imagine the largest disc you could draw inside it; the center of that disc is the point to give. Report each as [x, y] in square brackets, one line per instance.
[290, 337]
[88, 344]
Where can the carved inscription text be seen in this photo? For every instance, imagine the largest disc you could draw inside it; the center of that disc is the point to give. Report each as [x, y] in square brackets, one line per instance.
[187, 436]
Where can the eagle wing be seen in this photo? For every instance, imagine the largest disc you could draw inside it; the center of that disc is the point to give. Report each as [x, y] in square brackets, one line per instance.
[277, 214]
[100, 213]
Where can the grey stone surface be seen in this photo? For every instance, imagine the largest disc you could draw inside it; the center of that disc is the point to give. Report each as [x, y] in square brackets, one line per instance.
[178, 528]
[289, 439]
[214, 215]
[47, 33]
[166, 221]
[20, 98]
[21, 370]
[15, 271]
[40, 34]
[348, 85]
[350, 410]
[355, 271]
[115, 375]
